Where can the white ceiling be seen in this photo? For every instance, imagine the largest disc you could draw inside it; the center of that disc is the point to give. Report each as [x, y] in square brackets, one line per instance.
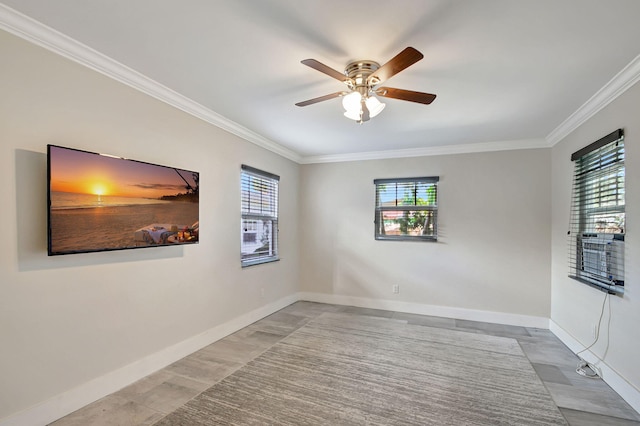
[506, 71]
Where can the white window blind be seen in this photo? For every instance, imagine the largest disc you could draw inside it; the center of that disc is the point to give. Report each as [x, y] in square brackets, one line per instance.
[406, 209]
[597, 223]
[259, 223]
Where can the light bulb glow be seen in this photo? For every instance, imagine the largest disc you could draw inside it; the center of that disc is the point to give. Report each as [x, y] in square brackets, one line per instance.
[351, 102]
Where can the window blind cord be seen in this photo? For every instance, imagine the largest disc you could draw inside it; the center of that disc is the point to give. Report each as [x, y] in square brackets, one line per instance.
[582, 364]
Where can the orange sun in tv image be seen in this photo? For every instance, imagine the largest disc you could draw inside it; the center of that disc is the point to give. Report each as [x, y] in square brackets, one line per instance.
[99, 189]
[94, 186]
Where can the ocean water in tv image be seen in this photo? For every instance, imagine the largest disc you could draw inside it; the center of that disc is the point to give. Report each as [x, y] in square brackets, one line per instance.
[102, 203]
[71, 200]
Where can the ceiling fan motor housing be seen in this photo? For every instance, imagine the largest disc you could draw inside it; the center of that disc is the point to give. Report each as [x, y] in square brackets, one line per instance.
[358, 73]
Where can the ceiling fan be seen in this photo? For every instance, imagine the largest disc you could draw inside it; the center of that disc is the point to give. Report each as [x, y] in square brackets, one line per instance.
[362, 77]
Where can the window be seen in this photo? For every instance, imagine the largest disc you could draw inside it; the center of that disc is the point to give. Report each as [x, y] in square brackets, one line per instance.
[407, 209]
[259, 207]
[597, 224]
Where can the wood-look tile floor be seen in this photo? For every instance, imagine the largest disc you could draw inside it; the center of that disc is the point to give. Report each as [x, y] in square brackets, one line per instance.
[583, 401]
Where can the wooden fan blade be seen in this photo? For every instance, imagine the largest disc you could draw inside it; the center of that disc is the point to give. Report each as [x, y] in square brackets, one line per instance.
[320, 99]
[319, 66]
[401, 61]
[406, 95]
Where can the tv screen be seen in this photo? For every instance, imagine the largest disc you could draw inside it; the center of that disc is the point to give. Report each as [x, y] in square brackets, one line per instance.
[99, 202]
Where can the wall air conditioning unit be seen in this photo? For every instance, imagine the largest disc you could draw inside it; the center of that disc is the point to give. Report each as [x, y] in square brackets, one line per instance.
[603, 258]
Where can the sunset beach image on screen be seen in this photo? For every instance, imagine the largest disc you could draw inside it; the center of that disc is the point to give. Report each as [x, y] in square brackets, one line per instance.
[101, 202]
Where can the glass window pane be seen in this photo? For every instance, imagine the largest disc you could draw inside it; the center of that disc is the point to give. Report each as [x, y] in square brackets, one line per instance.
[259, 196]
[607, 222]
[386, 194]
[258, 239]
[425, 194]
[406, 194]
[407, 222]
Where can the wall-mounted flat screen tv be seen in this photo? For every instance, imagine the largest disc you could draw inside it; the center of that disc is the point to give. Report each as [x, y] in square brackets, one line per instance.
[99, 202]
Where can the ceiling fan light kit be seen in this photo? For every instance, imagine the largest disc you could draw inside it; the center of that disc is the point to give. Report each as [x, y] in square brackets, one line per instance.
[361, 77]
[374, 106]
[351, 101]
[355, 105]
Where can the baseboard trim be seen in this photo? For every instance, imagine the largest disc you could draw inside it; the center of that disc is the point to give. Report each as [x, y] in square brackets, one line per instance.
[74, 399]
[434, 310]
[625, 389]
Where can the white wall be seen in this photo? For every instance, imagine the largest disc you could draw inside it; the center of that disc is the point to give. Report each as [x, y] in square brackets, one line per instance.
[576, 307]
[67, 320]
[492, 253]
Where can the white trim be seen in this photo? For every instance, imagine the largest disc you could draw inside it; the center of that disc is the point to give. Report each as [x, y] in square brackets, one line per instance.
[622, 387]
[619, 84]
[429, 151]
[434, 310]
[70, 401]
[35, 32]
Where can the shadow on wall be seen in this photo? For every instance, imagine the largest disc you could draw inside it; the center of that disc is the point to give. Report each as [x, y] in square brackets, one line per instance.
[31, 217]
[356, 275]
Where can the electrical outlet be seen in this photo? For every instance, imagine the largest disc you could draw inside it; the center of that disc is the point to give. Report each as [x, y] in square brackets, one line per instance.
[396, 289]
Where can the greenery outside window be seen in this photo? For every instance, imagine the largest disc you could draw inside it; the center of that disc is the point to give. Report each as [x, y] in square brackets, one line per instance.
[259, 222]
[407, 209]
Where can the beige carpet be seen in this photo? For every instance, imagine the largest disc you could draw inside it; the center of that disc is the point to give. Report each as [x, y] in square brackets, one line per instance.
[343, 369]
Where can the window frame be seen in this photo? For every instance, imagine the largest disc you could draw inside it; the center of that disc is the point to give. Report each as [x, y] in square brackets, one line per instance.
[596, 248]
[270, 214]
[431, 208]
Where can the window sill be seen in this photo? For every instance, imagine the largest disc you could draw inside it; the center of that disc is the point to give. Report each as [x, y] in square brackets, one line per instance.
[611, 289]
[246, 264]
[406, 238]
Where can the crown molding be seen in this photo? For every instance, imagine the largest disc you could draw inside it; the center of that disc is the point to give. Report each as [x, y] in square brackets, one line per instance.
[619, 84]
[37, 33]
[430, 151]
